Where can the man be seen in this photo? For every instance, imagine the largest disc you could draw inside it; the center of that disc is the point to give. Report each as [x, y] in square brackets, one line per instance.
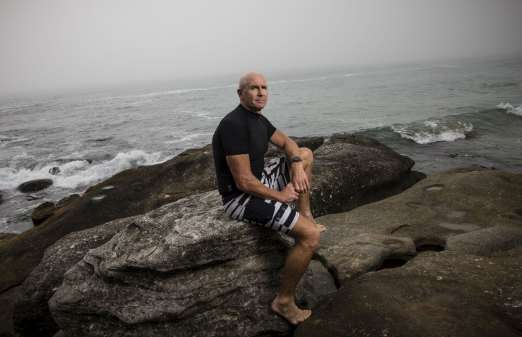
[253, 194]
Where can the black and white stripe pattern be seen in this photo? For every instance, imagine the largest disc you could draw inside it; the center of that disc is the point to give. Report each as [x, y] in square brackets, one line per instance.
[282, 217]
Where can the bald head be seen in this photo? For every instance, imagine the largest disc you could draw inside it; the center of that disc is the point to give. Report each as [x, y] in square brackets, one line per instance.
[253, 92]
[243, 81]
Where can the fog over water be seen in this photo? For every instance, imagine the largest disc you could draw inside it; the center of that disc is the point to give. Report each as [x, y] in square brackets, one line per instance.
[60, 45]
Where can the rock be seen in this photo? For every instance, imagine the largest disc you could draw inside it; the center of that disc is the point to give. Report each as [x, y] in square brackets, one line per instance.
[35, 185]
[4, 333]
[6, 236]
[1, 198]
[354, 170]
[472, 288]
[54, 170]
[6, 314]
[183, 269]
[48, 209]
[42, 212]
[31, 313]
[310, 142]
[487, 241]
[434, 294]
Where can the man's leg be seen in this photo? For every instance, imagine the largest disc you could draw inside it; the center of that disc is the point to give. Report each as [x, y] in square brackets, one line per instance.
[306, 235]
[303, 203]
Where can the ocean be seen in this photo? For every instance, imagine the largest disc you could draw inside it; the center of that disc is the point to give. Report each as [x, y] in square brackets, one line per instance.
[440, 114]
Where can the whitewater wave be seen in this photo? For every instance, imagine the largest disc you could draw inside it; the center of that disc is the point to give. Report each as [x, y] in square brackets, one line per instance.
[77, 173]
[434, 130]
[515, 110]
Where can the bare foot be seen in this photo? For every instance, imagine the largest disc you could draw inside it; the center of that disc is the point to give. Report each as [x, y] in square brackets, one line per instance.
[290, 311]
[321, 228]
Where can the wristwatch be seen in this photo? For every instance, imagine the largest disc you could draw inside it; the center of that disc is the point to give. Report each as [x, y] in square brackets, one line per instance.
[296, 159]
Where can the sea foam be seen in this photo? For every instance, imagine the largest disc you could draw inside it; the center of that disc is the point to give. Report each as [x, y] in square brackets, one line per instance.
[432, 131]
[79, 173]
[515, 110]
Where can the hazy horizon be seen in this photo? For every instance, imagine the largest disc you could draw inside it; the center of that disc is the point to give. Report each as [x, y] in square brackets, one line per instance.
[66, 45]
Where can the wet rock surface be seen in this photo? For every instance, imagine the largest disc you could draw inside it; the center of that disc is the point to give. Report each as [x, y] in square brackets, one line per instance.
[472, 287]
[34, 185]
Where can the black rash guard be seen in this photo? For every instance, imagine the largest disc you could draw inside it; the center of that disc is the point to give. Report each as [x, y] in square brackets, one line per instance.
[240, 132]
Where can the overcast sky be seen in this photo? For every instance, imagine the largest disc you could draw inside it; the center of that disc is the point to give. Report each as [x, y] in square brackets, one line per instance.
[55, 44]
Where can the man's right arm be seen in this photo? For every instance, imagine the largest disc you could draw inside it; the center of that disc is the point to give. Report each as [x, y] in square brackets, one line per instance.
[245, 181]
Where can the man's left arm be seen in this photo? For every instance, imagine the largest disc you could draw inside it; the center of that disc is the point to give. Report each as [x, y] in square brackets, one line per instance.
[291, 150]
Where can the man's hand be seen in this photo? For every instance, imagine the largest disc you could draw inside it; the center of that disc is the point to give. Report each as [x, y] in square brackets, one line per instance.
[289, 194]
[299, 178]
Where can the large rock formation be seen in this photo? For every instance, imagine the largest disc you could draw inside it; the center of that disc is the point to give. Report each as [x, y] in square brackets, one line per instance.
[354, 170]
[33, 304]
[183, 269]
[435, 294]
[472, 288]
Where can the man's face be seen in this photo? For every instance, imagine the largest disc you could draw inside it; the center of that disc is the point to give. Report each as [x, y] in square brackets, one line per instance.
[254, 93]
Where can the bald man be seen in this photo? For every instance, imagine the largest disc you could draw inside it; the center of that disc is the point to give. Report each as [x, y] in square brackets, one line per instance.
[255, 194]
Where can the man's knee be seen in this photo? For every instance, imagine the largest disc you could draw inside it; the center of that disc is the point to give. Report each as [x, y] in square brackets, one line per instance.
[306, 153]
[314, 239]
[307, 156]
[309, 237]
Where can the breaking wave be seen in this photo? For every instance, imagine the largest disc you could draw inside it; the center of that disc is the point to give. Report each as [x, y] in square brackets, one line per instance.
[515, 110]
[434, 130]
[76, 173]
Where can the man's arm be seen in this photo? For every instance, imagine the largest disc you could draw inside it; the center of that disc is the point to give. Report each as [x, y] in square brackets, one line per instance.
[240, 168]
[291, 150]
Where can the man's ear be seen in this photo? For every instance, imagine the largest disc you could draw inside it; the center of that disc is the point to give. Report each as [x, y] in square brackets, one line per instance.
[239, 93]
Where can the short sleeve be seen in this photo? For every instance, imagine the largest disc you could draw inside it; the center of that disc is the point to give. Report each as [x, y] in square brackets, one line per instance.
[234, 137]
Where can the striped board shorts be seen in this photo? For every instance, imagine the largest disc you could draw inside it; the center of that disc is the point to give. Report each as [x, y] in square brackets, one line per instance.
[269, 213]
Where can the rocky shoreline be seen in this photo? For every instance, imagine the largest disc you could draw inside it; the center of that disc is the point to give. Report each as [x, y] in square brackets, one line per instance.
[149, 253]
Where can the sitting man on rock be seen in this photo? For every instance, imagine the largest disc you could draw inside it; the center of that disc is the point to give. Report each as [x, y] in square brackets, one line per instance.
[255, 194]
